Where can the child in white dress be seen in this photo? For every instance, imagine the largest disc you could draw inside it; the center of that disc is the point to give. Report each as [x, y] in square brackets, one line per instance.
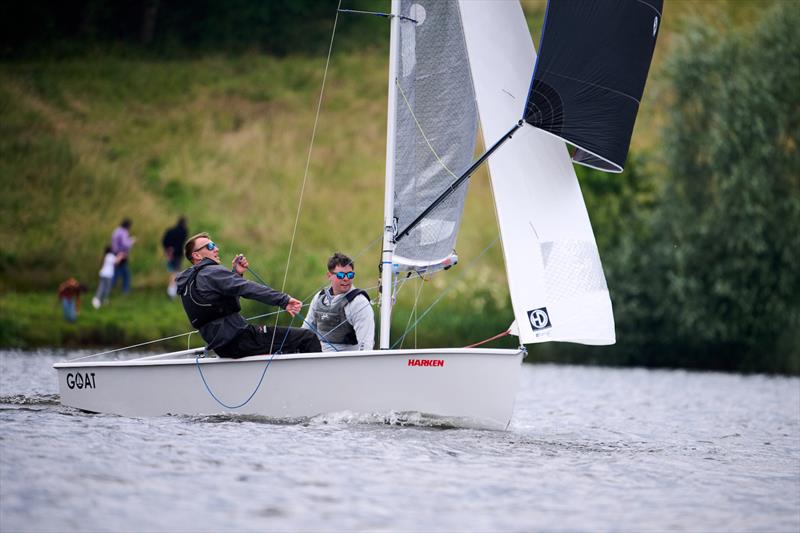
[106, 275]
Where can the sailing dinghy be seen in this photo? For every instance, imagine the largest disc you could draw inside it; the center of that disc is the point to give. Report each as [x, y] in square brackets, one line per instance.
[453, 65]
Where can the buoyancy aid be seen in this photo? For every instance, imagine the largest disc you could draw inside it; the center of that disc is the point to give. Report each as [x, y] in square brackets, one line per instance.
[200, 311]
[331, 320]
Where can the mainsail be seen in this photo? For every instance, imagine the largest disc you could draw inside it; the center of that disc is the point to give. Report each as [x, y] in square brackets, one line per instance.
[435, 132]
[590, 75]
[558, 290]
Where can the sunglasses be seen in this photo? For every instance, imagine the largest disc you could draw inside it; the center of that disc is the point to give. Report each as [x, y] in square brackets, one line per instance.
[342, 275]
[210, 246]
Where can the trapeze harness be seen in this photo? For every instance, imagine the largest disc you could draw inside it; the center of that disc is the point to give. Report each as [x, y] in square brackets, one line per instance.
[331, 320]
[200, 311]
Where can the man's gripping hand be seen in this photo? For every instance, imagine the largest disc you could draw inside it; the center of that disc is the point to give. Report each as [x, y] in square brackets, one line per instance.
[294, 306]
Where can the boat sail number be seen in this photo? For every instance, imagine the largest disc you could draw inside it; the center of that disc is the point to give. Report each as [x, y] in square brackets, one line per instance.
[539, 318]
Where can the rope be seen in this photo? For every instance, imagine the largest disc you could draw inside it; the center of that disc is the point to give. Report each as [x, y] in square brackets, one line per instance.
[131, 347]
[378, 14]
[223, 404]
[294, 232]
[419, 127]
[499, 335]
[260, 380]
[308, 158]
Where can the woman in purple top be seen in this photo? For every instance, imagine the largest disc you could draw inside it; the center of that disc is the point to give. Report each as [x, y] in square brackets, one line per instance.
[121, 243]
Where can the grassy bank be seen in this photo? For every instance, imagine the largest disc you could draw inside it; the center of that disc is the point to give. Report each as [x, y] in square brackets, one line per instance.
[33, 319]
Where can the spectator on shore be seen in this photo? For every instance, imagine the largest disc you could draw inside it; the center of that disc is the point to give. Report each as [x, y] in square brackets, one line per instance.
[172, 242]
[69, 292]
[106, 276]
[121, 243]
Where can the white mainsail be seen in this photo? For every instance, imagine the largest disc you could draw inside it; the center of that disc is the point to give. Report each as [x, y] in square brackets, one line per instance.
[558, 289]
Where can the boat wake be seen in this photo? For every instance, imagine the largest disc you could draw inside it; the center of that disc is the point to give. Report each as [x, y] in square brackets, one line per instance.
[405, 419]
[30, 401]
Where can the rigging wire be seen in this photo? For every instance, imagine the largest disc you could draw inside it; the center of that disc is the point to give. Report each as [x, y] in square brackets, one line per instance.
[308, 158]
[413, 312]
[428, 309]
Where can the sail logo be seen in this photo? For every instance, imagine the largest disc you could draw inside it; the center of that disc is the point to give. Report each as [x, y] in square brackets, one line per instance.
[539, 318]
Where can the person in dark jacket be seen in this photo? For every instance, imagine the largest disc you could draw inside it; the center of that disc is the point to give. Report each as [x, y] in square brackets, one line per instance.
[210, 296]
[172, 243]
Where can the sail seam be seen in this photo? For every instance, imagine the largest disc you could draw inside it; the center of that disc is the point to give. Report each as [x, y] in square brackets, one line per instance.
[584, 82]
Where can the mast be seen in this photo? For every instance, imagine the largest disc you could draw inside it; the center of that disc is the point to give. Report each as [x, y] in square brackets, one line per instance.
[388, 203]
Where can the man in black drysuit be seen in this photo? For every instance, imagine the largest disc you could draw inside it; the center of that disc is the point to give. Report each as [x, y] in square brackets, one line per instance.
[210, 295]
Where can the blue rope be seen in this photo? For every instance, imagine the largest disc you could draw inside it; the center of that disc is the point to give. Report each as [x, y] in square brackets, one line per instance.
[223, 404]
[258, 385]
[263, 373]
[269, 361]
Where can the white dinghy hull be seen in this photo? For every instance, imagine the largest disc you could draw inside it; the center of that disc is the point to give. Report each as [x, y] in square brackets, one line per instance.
[460, 387]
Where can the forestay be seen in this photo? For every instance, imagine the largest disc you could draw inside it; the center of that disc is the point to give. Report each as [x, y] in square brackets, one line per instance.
[558, 290]
[436, 128]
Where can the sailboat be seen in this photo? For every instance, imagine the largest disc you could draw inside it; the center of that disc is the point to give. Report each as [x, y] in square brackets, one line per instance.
[454, 65]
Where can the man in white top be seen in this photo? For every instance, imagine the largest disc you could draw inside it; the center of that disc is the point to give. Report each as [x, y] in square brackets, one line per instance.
[341, 315]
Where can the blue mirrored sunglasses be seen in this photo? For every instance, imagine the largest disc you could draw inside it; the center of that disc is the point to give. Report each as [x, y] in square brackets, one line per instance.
[210, 246]
[342, 275]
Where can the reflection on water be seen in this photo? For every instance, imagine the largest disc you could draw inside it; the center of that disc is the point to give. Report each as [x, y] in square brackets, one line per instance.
[588, 449]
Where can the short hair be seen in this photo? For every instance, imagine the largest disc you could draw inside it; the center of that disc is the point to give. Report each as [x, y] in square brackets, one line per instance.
[339, 259]
[126, 223]
[188, 248]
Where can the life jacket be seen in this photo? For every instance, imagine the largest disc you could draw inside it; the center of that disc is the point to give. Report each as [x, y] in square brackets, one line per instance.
[331, 320]
[200, 311]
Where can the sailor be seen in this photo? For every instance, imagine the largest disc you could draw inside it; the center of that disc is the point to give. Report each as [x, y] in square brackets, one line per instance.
[340, 314]
[210, 295]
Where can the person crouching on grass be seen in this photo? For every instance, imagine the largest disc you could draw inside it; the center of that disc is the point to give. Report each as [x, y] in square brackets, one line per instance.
[210, 296]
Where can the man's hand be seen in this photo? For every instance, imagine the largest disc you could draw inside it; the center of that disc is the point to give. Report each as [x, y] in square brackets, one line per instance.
[294, 306]
[239, 264]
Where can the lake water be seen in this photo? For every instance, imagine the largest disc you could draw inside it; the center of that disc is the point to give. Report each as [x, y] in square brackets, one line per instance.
[589, 448]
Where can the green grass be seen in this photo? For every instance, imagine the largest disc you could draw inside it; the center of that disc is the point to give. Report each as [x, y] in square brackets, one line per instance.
[33, 319]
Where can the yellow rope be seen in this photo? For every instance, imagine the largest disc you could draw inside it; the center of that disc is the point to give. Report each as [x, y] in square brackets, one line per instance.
[419, 127]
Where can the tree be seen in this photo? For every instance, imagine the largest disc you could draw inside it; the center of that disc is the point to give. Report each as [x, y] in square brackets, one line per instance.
[728, 226]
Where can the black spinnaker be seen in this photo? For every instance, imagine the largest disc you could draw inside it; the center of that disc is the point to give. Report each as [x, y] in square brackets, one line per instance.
[590, 75]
